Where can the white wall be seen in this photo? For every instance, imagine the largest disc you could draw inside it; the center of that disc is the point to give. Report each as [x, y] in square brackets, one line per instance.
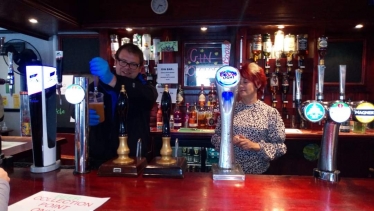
[47, 51]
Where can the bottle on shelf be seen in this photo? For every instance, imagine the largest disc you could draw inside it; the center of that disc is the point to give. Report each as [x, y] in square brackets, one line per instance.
[180, 95]
[212, 95]
[187, 116]
[192, 121]
[202, 97]
[114, 45]
[159, 118]
[172, 122]
[210, 123]
[201, 118]
[177, 117]
[25, 114]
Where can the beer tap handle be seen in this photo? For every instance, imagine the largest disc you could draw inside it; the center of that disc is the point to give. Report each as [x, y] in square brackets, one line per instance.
[10, 77]
[176, 148]
[298, 87]
[59, 56]
[139, 148]
[342, 77]
[321, 75]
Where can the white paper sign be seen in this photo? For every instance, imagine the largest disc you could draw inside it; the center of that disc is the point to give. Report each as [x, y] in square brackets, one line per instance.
[172, 92]
[167, 73]
[45, 200]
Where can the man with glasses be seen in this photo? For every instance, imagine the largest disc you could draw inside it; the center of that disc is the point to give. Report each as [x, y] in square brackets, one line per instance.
[103, 136]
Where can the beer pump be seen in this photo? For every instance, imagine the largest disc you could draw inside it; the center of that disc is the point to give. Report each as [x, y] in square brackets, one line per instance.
[166, 165]
[59, 57]
[123, 165]
[227, 79]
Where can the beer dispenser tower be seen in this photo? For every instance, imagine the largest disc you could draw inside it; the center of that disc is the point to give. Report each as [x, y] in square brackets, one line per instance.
[337, 113]
[227, 79]
[41, 83]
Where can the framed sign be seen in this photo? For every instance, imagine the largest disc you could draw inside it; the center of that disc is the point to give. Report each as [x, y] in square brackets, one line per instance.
[201, 61]
[349, 52]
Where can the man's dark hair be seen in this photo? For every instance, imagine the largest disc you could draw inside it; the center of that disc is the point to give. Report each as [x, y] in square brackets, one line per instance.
[133, 49]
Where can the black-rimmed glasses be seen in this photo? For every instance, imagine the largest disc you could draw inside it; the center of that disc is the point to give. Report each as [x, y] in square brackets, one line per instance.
[123, 63]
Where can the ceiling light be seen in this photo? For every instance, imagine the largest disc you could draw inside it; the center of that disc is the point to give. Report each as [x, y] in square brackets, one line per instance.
[203, 28]
[280, 26]
[129, 29]
[33, 20]
[359, 26]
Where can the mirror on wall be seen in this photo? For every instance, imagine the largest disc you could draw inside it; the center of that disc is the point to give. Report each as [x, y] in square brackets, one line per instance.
[201, 61]
[349, 52]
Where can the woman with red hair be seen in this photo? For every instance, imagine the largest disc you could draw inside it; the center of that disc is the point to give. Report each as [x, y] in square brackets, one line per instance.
[258, 129]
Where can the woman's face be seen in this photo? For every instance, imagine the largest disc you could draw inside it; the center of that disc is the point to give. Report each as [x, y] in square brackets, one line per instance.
[247, 90]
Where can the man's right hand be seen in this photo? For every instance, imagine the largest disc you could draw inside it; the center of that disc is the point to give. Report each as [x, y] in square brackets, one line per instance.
[100, 67]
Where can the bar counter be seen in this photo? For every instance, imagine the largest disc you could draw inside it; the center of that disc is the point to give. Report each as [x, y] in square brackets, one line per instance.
[197, 191]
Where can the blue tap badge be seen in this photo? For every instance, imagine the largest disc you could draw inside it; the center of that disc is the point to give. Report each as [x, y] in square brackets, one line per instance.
[227, 76]
[340, 112]
[314, 111]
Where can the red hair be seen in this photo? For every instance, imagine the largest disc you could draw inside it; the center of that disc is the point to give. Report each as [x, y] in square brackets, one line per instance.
[255, 74]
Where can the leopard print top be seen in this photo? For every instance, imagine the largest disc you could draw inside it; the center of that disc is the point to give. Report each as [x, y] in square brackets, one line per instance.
[262, 124]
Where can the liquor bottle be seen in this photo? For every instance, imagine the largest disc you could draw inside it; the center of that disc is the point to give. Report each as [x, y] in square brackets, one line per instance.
[201, 119]
[25, 114]
[202, 97]
[256, 46]
[122, 108]
[266, 48]
[149, 75]
[210, 123]
[114, 45]
[187, 116]
[212, 95]
[289, 47]
[166, 111]
[180, 95]
[171, 122]
[322, 49]
[216, 114]
[159, 118]
[192, 121]
[177, 117]
[301, 48]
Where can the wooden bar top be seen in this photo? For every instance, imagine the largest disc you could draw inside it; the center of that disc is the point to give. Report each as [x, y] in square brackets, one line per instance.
[197, 191]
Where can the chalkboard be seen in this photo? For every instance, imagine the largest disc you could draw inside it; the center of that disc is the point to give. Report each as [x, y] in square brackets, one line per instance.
[78, 51]
[201, 61]
[63, 114]
[345, 52]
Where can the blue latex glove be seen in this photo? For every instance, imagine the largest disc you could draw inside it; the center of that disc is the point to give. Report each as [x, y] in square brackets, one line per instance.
[94, 118]
[100, 67]
[141, 78]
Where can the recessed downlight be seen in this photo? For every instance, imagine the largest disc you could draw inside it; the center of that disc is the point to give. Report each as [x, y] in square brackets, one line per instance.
[33, 20]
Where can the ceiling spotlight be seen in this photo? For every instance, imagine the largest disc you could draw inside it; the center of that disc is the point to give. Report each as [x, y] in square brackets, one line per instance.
[128, 29]
[33, 20]
[203, 28]
[359, 26]
[280, 26]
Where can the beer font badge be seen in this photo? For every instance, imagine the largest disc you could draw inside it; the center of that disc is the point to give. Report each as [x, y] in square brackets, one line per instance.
[74, 94]
[314, 111]
[340, 112]
[364, 112]
[227, 76]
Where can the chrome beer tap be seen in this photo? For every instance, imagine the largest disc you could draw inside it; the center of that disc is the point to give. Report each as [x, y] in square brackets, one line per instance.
[227, 79]
[285, 89]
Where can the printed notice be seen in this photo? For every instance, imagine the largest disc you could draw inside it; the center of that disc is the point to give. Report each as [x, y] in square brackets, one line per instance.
[45, 200]
[167, 73]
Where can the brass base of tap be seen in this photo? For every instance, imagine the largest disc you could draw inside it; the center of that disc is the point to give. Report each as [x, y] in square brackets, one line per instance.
[166, 153]
[123, 152]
